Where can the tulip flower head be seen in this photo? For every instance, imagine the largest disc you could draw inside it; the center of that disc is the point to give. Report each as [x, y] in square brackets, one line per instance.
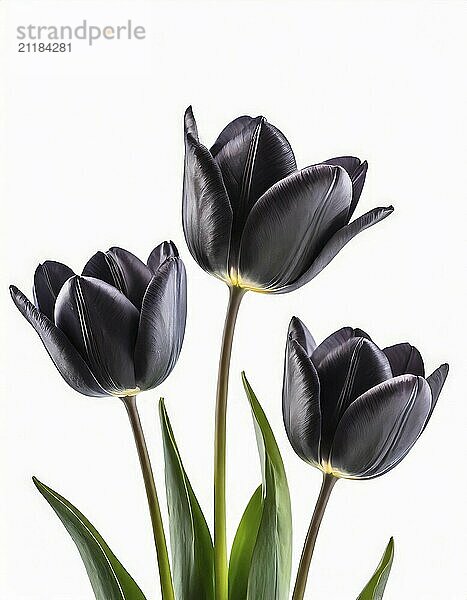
[118, 328]
[256, 222]
[351, 409]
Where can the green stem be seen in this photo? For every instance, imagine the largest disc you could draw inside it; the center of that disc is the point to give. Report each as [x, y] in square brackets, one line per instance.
[307, 553]
[220, 534]
[153, 501]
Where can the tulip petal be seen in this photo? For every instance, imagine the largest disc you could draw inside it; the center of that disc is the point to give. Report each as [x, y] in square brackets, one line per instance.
[136, 275]
[333, 341]
[290, 224]
[207, 214]
[405, 359]
[160, 254]
[436, 382]
[299, 331]
[121, 269]
[190, 123]
[380, 427]
[230, 131]
[300, 403]
[346, 373]
[48, 280]
[102, 325]
[357, 171]
[252, 155]
[103, 266]
[162, 325]
[64, 355]
[335, 245]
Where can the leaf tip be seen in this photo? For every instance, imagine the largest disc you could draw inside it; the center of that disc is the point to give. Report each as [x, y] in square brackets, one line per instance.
[245, 379]
[41, 487]
[162, 409]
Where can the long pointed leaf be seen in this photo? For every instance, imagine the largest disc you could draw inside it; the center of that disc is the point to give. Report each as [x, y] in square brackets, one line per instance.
[374, 589]
[244, 545]
[109, 579]
[191, 543]
[270, 546]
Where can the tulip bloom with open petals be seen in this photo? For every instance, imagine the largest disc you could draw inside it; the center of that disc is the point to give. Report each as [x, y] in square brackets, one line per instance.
[118, 328]
[351, 409]
[256, 222]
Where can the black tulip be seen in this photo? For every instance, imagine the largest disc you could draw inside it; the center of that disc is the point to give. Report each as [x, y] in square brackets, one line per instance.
[351, 409]
[256, 222]
[118, 328]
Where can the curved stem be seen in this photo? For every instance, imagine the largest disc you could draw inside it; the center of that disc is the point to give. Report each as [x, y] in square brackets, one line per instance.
[153, 501]
[220, 536]
[307, 553]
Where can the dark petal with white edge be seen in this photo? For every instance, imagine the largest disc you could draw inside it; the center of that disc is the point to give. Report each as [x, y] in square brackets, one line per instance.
[162, 325]
[207, 215]
[121, 269]
[102, 266]
[405, 359]
[346, 373]
[65, 357]
[48, 280]
[160, 254]
[290, 224]
[102, 325]
[357, 171]
[136, 275]
[230, 131]
[335, 245]
[436, 382]
[300, 403]
[380, 427]
[299, 331]
[252, 155]
[333, 341]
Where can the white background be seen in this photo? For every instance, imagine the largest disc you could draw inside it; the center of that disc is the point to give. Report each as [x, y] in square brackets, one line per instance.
[95, 158]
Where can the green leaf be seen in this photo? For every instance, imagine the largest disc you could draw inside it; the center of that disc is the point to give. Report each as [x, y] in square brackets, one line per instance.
[261, 558]
[191, 543]
[374, 589]
[244, 545]
[109, 579]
